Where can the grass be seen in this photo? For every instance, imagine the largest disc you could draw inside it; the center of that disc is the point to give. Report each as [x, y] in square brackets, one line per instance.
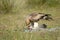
[18, 35]
[13, 21]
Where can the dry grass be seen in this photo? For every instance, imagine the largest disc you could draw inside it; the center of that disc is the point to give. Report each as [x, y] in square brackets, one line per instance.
[13, 21]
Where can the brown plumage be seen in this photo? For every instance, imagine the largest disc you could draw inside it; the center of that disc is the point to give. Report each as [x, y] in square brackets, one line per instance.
[34, 17]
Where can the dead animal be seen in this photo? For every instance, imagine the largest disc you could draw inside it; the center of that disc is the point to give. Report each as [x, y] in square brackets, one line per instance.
[43, 26]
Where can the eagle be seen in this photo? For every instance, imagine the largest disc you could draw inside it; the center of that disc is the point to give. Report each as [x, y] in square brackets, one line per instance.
[35, 17]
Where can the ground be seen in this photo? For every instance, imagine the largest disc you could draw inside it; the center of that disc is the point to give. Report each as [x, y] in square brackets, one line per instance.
[12, 22]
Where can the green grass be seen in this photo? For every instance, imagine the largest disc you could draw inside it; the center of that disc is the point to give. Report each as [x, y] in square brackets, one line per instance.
[12, 19]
